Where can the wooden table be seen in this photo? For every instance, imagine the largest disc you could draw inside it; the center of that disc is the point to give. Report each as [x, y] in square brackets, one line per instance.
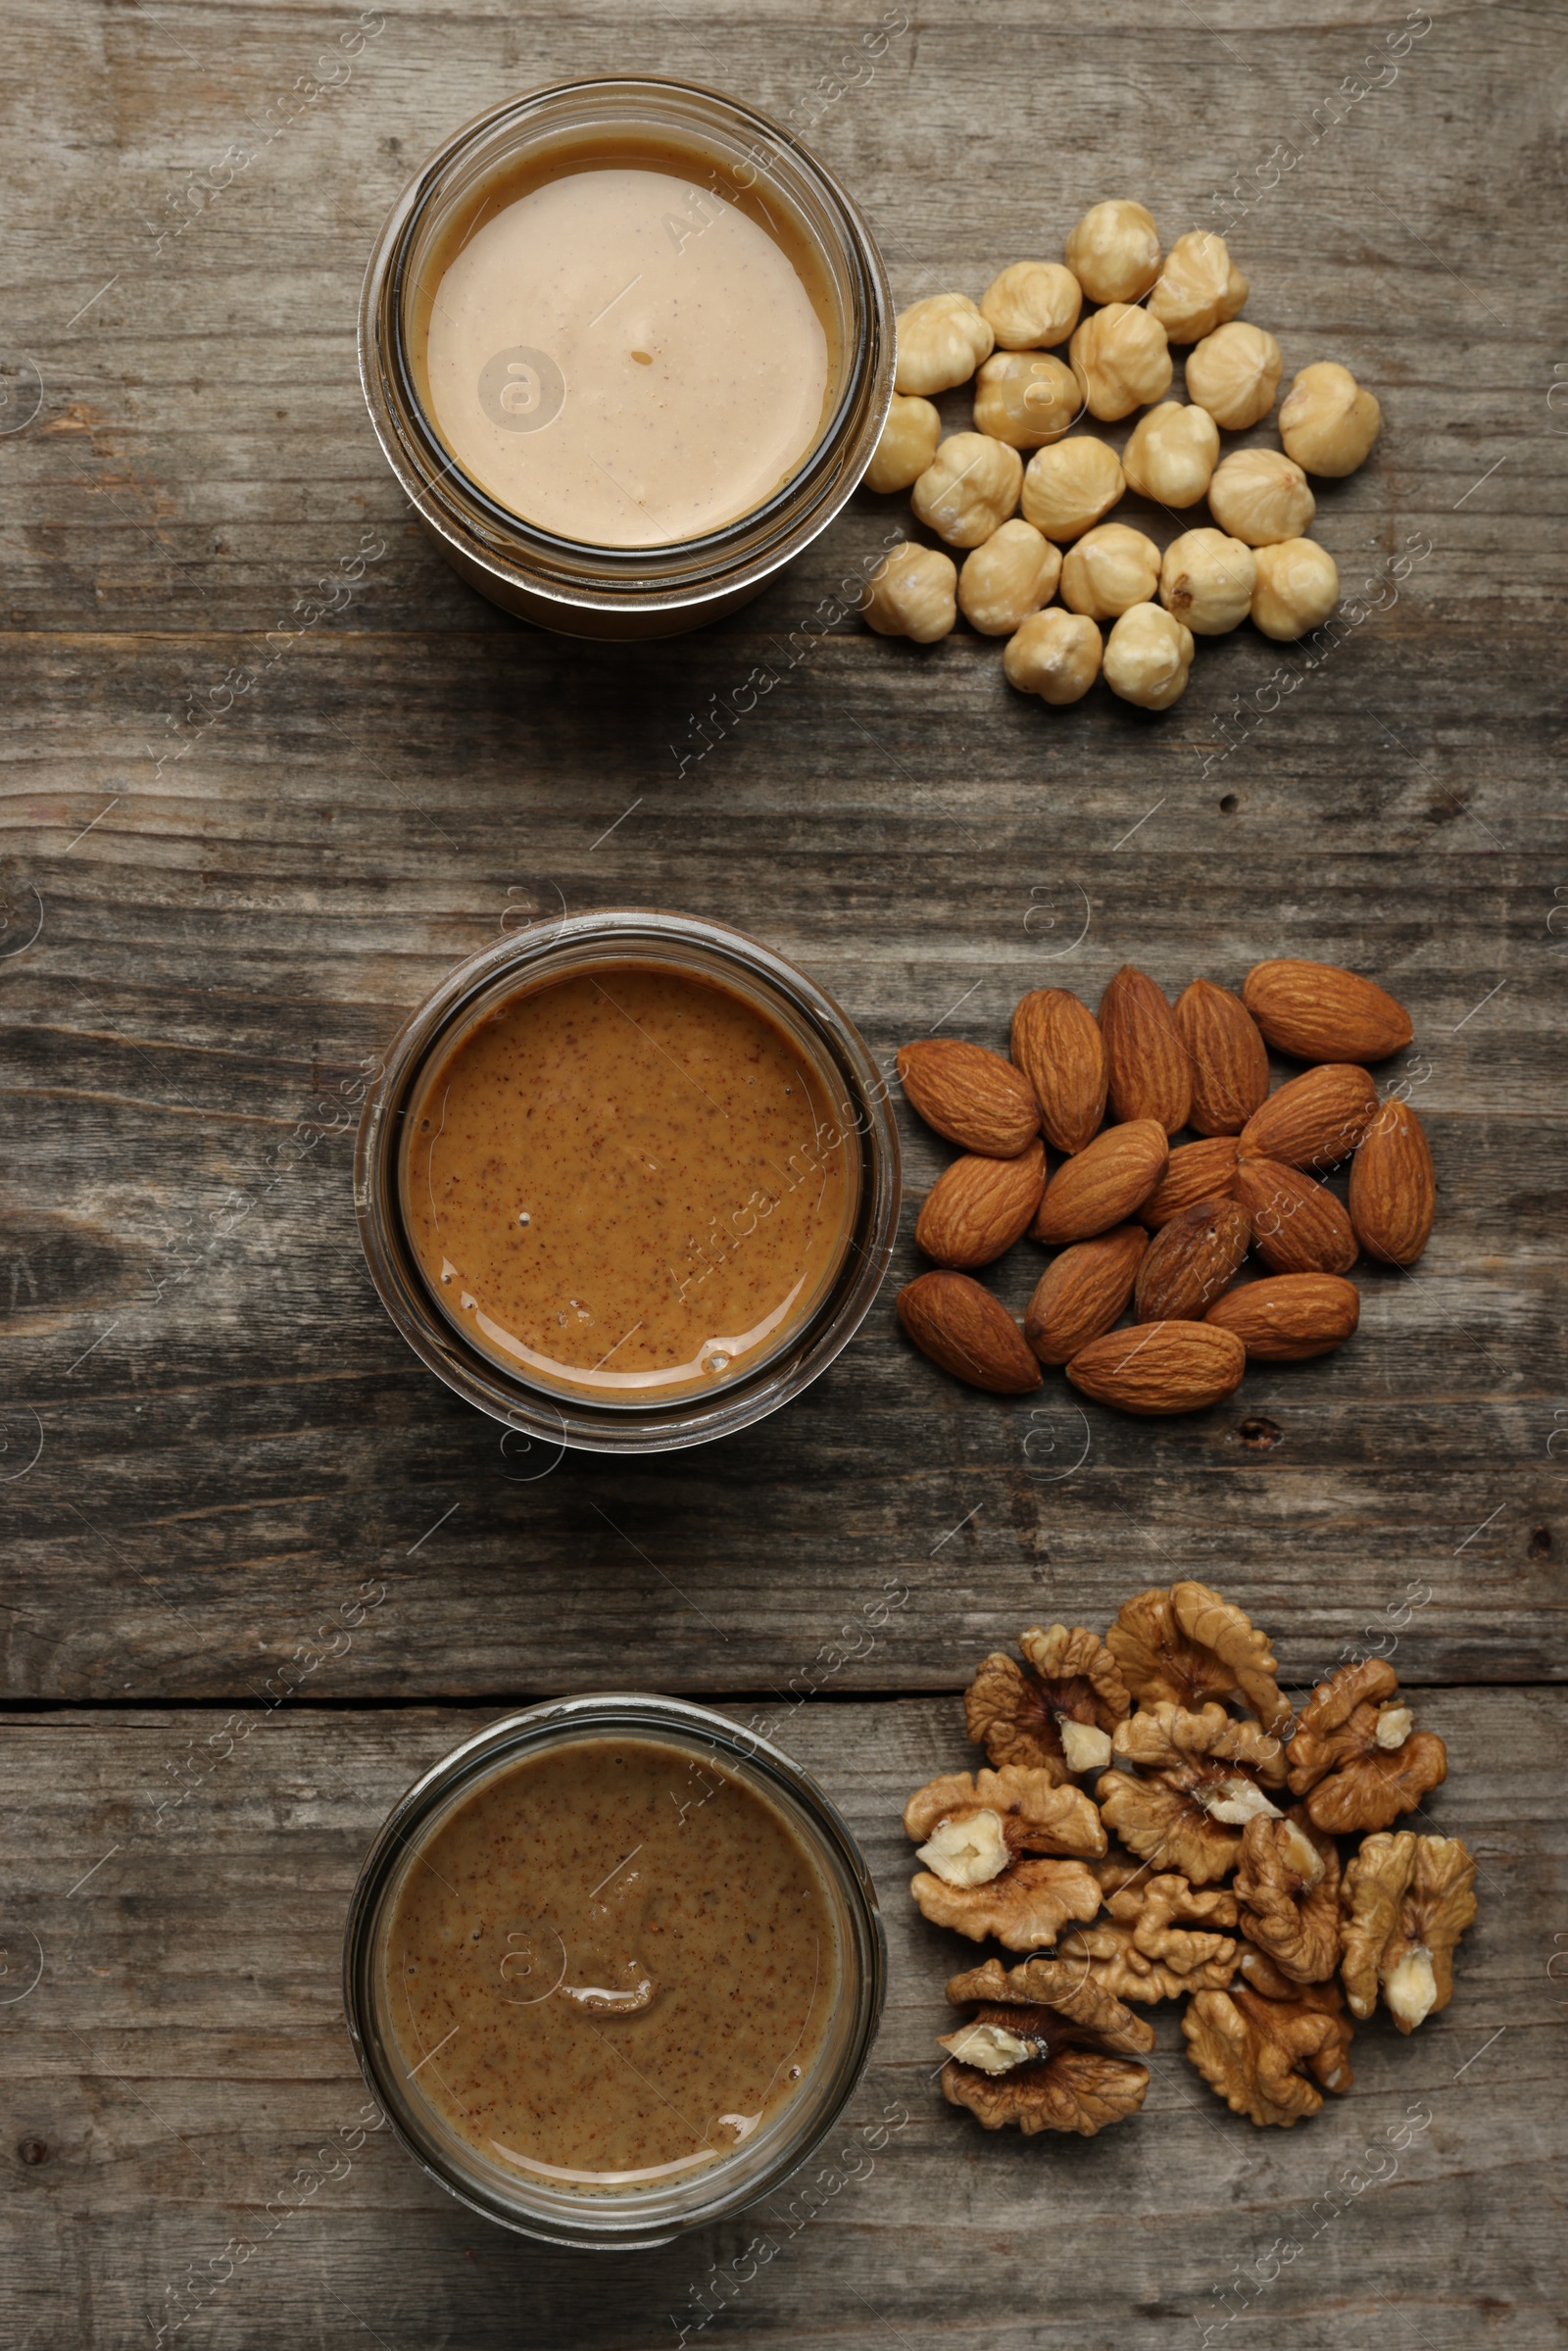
[221, 903]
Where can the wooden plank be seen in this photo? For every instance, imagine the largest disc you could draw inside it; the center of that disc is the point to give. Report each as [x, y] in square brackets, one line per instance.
[183, 2052]
[241, 897]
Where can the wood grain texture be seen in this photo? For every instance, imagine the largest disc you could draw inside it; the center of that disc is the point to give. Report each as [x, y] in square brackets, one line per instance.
[184, 2052]
[245, 833]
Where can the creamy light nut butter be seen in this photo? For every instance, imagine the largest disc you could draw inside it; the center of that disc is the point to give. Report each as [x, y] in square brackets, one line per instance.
[621, 345]
[611, 1965]
[628, 1183]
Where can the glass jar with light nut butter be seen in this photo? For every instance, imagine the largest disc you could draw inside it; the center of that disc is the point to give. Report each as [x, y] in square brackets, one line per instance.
[628, 347]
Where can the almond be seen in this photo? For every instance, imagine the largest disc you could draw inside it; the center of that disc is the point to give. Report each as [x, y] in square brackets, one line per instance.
[1190, 1261]
[970, 1094]
[969, 1332]
[1150, 1076]
[1394, 1191]
[1291, 1317]
[1229, 1060]
[1315, 1120]
[1194, 1171]
[1298, 1224]
[1161, 1366]
[1319, 1012]
[1082, 1292]
[979, 1208]
[1104, 1184]
[1057, 1045]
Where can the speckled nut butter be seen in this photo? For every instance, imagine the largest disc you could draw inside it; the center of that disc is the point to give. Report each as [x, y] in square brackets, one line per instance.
[612, 1965]
[627, 1182]
[614, 1969]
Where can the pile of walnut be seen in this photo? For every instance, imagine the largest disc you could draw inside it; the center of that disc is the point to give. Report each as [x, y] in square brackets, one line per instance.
[969, 488]
[1165, 1231]
[1204, 1865]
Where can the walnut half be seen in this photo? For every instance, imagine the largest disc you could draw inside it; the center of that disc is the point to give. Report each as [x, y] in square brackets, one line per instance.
[1025, 1908]
[973, 1827]
[1408, 1900]
[1267, 2054]
[1161, 1939]
[1046, 2050]
[1288, 1885]
[1188, 1646]
[1355, 1757]
[1058, 1712]
[1204, 1777]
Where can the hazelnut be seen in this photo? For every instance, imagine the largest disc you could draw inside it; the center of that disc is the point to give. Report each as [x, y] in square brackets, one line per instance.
[1298, 587]
[908, 444]
[1070, 485]
[1235, 373]
[911, 594]
[1259, 495]
[1032, 306]
[1026, 398]
[1008, 576]
[1198, 288]
[1171, 453]
[1055, 655]
[1109, 569]
[1206, 581]
[1327, 423]
[970, 486]
[1114, 252]
[1148, 655]
[1121, 358]
[941, 342]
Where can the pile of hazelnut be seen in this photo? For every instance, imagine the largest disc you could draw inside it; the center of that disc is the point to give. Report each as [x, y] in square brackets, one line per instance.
[1230, 1853]
[968, 489]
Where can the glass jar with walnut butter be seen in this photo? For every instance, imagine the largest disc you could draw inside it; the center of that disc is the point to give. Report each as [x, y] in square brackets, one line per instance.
[628, 1181]
[628, 348]
[612, 1970]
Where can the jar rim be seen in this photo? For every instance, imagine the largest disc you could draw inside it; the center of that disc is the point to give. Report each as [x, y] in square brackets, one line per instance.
[594, 578]
[645, 2218]
[543, 1423]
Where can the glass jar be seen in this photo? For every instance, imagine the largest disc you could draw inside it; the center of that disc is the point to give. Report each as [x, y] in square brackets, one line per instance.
[651, 2214]
[547, 1420]
[599, 591]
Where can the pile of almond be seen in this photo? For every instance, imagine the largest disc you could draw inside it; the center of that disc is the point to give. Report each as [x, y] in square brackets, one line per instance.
[1165, 1232]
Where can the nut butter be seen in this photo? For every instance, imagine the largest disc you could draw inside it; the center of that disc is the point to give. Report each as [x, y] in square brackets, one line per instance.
[619, 347]
[627, 1182]
[628, 348]
[612, 1969]
[611, 1965]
